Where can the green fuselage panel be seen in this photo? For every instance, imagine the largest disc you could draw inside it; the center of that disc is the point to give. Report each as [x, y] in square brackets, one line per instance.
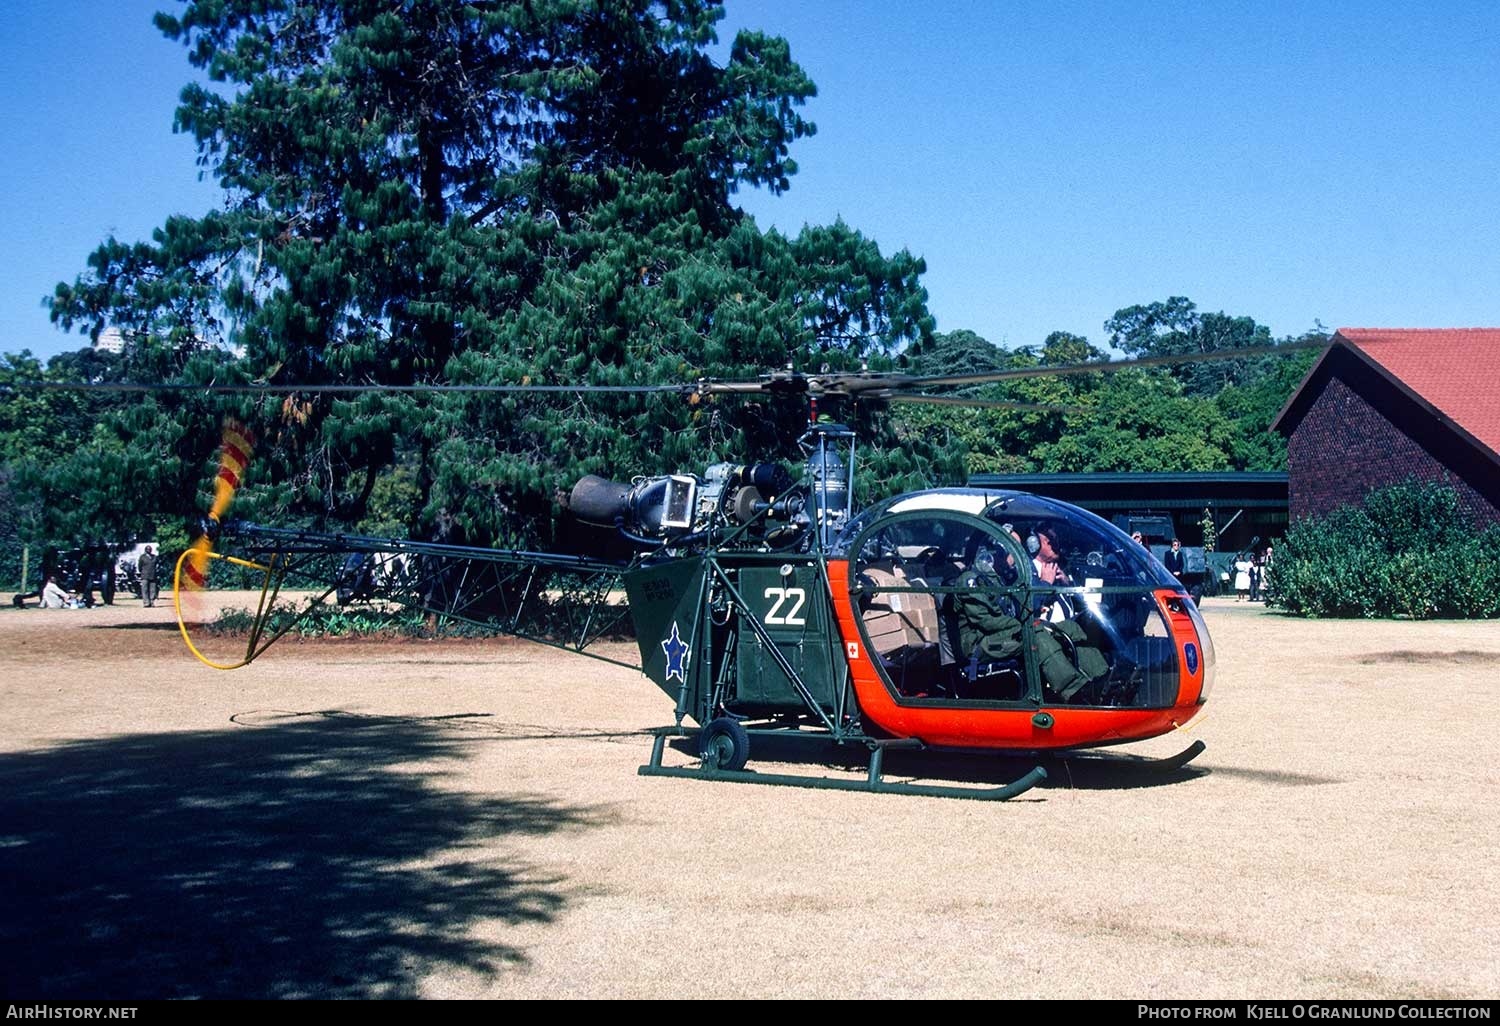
[768, 614]
[666, 603]
[793, 608]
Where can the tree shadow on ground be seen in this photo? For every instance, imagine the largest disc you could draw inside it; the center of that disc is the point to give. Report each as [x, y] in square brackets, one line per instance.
[309, 858]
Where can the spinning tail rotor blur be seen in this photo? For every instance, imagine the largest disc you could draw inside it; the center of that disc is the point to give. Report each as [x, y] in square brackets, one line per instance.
[190, 582]
[234, 459]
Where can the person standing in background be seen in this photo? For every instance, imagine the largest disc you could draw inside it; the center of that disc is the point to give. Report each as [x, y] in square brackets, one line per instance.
[1242, 566]
[145, 566]
[1174, 561]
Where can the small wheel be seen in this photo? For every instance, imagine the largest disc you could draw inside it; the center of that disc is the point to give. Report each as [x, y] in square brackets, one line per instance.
[724, 744]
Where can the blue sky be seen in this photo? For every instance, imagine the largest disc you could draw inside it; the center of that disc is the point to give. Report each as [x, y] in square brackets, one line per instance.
[1053, 162]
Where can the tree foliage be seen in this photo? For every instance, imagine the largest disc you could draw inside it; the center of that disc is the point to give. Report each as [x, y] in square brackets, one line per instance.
[1144, 420]
[1408, 551]
[425, 192]
[1176, 328]
[428, 192]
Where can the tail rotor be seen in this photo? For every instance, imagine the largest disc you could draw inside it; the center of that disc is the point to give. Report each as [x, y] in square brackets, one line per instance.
[192, 574]
[234, 458]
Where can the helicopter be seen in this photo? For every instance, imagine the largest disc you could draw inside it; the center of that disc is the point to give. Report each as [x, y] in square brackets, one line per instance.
[764, 605]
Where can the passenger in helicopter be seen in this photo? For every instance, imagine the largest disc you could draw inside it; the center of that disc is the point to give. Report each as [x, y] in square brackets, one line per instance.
[990, 632]
[987, 622]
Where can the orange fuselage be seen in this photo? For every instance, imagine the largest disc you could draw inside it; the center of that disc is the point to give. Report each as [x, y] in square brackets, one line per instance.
[997, 728]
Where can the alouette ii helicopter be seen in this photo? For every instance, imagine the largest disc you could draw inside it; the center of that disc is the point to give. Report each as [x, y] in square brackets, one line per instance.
[764, 605]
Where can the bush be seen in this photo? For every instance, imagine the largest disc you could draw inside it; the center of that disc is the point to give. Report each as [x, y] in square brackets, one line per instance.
[330, 621]
[1409, 551]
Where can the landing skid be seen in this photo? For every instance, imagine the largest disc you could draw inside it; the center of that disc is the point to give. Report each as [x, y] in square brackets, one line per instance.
[874, 781]
[1167, 765]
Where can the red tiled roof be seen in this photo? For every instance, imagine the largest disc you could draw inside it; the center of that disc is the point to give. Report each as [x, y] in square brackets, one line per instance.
[1457, 370]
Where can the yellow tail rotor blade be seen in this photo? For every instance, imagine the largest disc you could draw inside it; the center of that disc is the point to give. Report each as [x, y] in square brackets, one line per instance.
[234, 459]
[191, 575]
[195, 564]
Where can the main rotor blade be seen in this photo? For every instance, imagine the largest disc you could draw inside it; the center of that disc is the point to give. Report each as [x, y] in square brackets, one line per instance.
[888, 385]
[982, 404]
[856, 383]
[1106, 366]
[251, 389]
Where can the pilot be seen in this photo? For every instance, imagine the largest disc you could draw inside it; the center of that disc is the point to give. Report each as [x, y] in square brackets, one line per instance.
[990, 633]
[1045, 561]
[1064, 654]
[1007, 569]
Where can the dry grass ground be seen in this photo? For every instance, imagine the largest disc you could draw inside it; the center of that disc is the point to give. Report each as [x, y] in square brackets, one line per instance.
[464, 819]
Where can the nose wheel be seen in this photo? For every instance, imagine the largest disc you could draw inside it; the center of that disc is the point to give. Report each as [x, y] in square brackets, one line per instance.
[724, 744]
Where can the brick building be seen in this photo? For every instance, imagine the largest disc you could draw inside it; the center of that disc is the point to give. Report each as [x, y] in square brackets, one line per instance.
[1383, 405]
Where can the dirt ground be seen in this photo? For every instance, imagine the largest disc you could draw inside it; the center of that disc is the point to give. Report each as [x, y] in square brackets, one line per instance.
[464, 819]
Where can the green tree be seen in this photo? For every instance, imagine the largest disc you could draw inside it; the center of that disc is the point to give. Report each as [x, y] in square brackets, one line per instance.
[1138, 420]
[429, 192]
[1142, 423]
[954, 352]
[1176, 328]
[79, 467]
[987, 439]
[34, 425]
[1254, 404]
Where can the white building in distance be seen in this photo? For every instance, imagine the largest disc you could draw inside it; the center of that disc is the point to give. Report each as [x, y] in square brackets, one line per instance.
[110, 341]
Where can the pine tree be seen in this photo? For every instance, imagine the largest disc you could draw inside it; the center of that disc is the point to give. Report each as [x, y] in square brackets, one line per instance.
[428, 192]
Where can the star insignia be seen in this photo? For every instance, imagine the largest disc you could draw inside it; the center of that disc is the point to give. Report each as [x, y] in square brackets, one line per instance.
[677, 655]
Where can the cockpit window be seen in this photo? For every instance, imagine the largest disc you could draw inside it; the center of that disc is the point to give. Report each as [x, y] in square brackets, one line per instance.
[1034, 603]
[911, 573]
[1082, 545]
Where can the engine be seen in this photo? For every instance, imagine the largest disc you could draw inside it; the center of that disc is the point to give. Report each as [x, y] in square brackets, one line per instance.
[754, 506]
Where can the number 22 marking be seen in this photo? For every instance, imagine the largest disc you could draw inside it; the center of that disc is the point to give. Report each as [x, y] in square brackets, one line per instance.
[792, 617]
